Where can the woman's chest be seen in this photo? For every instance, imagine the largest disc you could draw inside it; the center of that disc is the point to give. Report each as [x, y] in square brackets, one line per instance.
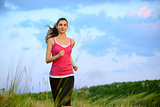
[57, 48]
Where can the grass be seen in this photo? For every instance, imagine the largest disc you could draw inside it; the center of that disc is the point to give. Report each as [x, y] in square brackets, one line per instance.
[11, 97]
[136, 100]
[45, 100]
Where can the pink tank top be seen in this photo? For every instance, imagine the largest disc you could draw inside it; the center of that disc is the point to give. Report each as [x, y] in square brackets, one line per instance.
[62, 66]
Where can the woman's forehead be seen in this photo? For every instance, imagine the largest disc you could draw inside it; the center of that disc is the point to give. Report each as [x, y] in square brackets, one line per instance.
[62, 22]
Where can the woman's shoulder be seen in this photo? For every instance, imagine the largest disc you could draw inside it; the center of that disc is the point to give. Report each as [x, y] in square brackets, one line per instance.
[50, 40]
[72, 42]
[70, 39]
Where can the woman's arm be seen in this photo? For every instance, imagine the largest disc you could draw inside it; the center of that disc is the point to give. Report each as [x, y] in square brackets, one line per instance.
[73, 43]
[74, 66]
[72, 62]
[48, 52]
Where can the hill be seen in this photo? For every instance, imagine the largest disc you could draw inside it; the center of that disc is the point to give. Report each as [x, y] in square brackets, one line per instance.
[126, 94]
[140, 93]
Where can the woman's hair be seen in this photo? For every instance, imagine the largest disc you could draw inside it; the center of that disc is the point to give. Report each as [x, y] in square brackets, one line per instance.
[53, 32]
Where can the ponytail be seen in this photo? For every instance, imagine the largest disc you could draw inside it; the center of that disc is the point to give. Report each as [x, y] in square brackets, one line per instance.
[52, 32]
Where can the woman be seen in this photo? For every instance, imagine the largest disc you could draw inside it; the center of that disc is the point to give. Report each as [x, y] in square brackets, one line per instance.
[61, 73]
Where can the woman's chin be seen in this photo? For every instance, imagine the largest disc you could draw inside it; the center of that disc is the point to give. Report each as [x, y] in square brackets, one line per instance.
[62, 32]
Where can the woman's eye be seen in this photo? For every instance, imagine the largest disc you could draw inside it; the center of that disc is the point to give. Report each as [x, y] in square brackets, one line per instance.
[60, 24]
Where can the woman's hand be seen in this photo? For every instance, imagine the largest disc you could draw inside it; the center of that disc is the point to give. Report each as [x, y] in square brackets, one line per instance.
[61, 53]
[75, 68]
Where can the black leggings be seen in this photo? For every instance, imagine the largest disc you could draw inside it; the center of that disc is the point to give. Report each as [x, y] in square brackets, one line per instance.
[62, 89]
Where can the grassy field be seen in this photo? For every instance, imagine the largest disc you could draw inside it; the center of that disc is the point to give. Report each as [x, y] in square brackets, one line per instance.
[126, 94]
[92, 97]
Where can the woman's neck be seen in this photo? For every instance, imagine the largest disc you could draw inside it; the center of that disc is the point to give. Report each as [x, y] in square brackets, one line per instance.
[62, 35]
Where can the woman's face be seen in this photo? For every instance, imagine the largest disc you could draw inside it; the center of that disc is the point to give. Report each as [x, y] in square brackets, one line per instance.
[62, 26]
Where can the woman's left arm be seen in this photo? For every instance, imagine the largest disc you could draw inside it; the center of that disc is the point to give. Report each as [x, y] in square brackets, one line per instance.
[72, 62]
[73, 65]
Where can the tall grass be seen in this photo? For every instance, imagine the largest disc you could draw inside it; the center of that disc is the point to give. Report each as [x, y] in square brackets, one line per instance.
[12, 96]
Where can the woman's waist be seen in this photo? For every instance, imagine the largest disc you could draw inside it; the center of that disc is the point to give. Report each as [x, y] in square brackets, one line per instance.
[61, 66]
[55, 70]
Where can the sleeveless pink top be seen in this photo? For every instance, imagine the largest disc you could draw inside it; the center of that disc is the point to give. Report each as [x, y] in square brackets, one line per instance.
[62, 66]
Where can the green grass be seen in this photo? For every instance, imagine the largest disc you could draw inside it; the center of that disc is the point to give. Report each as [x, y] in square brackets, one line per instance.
[43, 100]
[126, 94]
[137, 100]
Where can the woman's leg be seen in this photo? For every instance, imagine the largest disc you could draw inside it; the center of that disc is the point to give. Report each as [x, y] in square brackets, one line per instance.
[55, 87]
[68, 84]
[62, 89]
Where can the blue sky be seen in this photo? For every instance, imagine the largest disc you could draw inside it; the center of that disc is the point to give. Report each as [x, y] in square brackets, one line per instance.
[116, 40]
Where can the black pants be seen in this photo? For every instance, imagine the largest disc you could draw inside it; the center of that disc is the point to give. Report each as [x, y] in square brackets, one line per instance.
[62, 89]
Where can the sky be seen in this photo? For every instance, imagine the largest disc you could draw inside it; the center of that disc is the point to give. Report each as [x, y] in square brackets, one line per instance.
[115, 41]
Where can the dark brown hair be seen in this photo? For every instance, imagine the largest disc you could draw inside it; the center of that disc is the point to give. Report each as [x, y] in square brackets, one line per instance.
[53, 32]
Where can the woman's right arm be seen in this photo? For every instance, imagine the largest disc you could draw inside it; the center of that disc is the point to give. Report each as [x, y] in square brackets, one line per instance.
[49, 50]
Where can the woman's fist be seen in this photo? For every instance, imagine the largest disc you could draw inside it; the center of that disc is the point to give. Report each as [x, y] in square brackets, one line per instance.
[75, 68]
[61, 53]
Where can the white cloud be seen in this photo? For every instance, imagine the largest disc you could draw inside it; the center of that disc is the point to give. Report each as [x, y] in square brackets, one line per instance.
[21, 48]
[143, 12]
[120, 10]
[85, 35]
[115, 68]
[115, 10]
[107, 8]
[15, 17]
[10, 6]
